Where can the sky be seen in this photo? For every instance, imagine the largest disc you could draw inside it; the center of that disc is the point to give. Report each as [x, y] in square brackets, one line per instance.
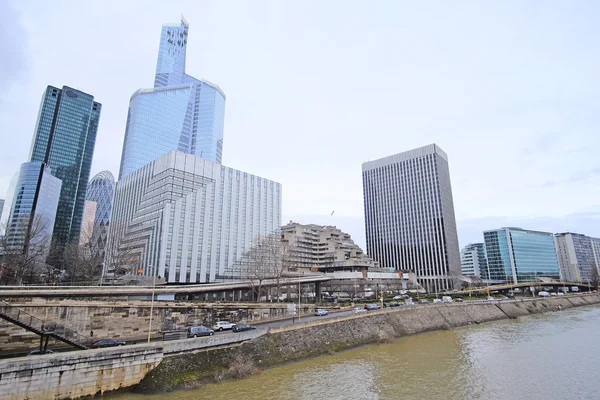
[509, 90]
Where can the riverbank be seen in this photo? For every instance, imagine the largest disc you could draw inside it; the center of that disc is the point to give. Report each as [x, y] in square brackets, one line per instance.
[293, 343]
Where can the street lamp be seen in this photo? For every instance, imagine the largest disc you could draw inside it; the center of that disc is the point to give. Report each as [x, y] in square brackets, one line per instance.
[151, 303]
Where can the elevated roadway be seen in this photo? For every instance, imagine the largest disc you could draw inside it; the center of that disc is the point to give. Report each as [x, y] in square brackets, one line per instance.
[504, 288]
[161, 290]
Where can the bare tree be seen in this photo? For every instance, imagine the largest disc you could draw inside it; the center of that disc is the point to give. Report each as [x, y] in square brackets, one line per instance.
[23, 251]
[120, 258]
[83, 260]
[264, 260]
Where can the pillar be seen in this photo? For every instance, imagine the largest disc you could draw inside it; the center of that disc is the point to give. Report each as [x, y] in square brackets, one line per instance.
[318, 292]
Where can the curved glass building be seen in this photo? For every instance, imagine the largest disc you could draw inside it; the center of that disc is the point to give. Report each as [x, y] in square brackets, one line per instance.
[180, 113]
[101, 190]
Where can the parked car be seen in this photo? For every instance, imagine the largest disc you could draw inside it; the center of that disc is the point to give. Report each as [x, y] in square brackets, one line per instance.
[394, 304]
[107, 343]
[320, 312]
[201, 330]
[400, 297]
[447, 299]
[423, 301]
[459, 300]
[242, 327]
[372, 306]
[561, 294]
[39, 352]
[358, 310]
[222, 326]
[437, 301]
[409, 302]
[543, 294]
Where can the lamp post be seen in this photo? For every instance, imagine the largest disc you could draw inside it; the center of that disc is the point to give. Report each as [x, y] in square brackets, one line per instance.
[151, 304]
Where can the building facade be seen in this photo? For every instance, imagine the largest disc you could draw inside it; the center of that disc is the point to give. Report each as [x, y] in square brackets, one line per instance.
[87, 222]
[1, 208]
[187, 219]
[409, 216]
[33, 210]
[578, 255]
[65, 136]
[518, 255]
[473, 260]
[321, 248]
[101, 190]
[180, 113]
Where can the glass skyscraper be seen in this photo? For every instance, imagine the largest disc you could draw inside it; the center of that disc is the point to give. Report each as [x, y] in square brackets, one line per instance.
[65, 136]
[101, 190]
[518, 255]
[33, 209]
[180, 113]
[409, 216]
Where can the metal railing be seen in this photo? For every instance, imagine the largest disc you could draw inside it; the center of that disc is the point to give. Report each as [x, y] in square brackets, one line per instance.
[42, 327]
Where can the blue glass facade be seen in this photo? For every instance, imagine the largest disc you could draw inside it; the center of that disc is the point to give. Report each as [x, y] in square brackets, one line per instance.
[101, 190]
[64, 140]
[518, 255]
[180, 113]
[33, 208]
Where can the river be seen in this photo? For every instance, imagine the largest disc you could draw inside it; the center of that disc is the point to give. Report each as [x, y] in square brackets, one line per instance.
[550, 356]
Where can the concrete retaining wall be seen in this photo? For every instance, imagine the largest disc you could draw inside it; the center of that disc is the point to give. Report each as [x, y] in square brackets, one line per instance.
[290, 343]
[125, 320]
[76, 374]
[191, 362]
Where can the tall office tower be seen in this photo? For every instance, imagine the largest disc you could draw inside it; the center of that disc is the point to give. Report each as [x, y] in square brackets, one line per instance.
[187, 219]
[180, 113]
[65, 136]
[409, 216]
[101, 190]
[577, 255]
[473, 260]
[87, 223]
[33, 211]
[519, 255]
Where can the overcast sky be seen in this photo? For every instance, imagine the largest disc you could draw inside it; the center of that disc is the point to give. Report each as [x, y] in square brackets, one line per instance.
[314, 88]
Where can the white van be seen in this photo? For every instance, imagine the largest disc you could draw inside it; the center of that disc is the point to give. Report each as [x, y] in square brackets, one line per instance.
[543, 294]
[447, 299]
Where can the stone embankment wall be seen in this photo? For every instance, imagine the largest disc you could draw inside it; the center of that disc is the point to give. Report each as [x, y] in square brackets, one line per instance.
[293, 343]
[76, 374]
[125, 320]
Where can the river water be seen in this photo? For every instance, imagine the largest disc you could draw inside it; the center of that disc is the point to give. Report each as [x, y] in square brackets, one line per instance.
[551, 356]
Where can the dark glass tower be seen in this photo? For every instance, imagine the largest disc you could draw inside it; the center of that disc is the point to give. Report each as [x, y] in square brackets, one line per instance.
[65, 136]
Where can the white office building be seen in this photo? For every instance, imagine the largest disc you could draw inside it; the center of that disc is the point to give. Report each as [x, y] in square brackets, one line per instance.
[578, 255]
[473, 260]
[409, 216]
[187, 219]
